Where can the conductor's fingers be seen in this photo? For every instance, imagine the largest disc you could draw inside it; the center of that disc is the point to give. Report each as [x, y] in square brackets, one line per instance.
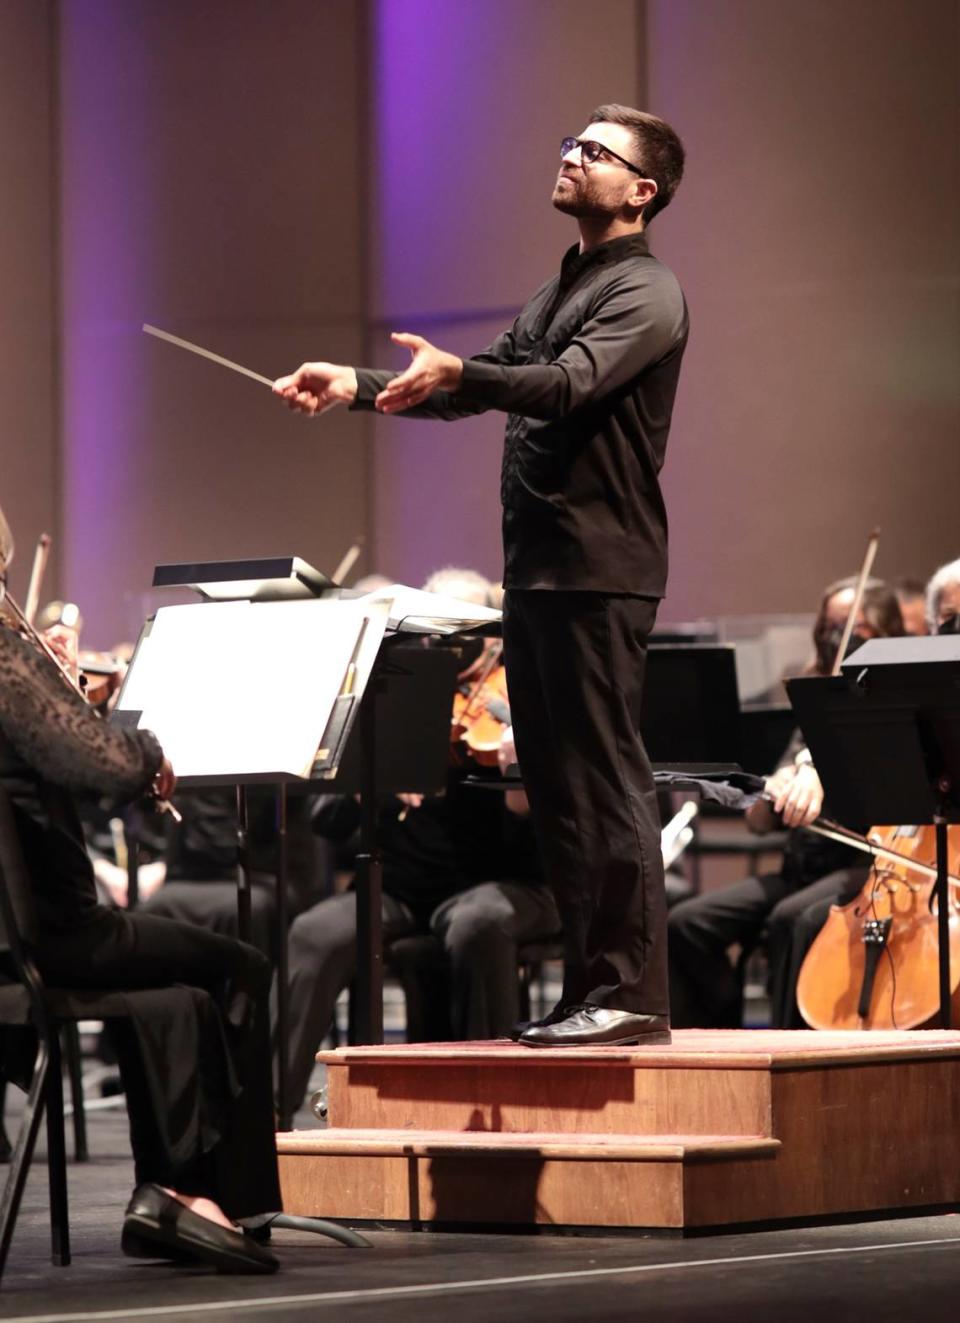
[409, 341]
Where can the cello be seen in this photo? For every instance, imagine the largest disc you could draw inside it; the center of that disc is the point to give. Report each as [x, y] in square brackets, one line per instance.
[874, 964]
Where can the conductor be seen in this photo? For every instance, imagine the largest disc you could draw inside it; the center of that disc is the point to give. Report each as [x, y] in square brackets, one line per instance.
[587, 375]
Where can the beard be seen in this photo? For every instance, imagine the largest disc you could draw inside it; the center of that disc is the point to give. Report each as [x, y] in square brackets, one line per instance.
[579, 197]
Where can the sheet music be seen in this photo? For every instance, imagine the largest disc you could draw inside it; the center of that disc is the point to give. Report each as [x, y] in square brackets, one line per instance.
[245, 688]
[430, 613]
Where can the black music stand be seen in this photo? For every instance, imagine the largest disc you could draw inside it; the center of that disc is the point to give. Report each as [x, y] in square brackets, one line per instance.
[690, 710]
[400, 744]
[885, 737]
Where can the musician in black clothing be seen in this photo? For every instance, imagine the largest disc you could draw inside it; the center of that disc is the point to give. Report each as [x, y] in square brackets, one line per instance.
[194, 1058]
[202, 859]
[587, 375]
[705, 990]
[461, 866]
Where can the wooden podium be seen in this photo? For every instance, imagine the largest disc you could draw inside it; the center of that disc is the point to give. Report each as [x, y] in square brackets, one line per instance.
[721, 1128]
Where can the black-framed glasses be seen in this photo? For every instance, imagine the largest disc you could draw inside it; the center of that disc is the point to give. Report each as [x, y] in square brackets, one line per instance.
[591, 151]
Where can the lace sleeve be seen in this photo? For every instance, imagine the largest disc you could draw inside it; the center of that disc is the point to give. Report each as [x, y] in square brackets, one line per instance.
[60, 737]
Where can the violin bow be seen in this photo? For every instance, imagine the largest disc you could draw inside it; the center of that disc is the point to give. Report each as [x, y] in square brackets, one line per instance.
[833, 831]
[37, 571]
[872, 545]
[347, 563]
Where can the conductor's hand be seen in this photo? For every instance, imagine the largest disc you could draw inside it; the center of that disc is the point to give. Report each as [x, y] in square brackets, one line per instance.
[431, 369]
[316, 387]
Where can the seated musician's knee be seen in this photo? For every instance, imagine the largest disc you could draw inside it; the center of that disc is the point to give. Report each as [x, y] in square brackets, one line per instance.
[480, 920]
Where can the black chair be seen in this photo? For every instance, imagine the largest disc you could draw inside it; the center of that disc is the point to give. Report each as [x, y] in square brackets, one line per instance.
[27, 1002]
[531, 959]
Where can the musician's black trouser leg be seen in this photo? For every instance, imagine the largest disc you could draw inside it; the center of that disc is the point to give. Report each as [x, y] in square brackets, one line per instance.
[575, 665]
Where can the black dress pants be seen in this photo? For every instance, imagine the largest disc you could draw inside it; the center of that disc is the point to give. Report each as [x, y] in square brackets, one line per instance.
[575, 665]
[705, 988]
[213, 905]
[479, 930]
[195, 1057]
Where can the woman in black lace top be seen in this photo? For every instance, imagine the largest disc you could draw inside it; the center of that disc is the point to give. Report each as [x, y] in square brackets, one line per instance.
[195, 1056]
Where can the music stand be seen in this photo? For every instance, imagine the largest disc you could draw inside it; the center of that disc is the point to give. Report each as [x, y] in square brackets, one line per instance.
[195, 680]
[401, 743]
[885, 738]
[690, 710]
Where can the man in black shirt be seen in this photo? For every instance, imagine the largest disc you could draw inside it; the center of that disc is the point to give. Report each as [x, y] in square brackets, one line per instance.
[587, 375]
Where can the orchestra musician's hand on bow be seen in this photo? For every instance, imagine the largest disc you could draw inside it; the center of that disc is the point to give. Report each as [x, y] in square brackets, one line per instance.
[64, 643]
[793, 794]
[165, 781]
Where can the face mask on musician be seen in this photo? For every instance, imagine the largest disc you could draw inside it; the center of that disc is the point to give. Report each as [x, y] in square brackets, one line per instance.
[827, 641]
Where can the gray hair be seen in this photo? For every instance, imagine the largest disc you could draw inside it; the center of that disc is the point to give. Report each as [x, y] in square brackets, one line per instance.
[453, 581]
[943, 578]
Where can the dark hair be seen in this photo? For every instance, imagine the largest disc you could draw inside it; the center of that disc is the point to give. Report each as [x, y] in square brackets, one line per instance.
[659, 149]
[906, 586]
[880, 608]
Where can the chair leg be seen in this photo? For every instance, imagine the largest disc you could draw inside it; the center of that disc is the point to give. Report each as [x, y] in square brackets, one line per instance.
[23, 1151]
[71, 1042]
[57, 1159]
[525, 978]
[6, 1148]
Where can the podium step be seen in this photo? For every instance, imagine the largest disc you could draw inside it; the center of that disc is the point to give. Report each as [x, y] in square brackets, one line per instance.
[714, 1130]
[446, 1178]
[482, 1143]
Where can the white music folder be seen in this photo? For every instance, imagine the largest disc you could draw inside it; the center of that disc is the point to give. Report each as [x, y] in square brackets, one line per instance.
[248, 691]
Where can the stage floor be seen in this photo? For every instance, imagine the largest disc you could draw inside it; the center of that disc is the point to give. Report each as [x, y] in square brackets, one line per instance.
[884, 1271]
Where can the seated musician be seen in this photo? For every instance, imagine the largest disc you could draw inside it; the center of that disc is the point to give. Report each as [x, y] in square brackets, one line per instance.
[942, 604]
[943, 599]
[192, 870]
[197, 1166]
[911, 595]
[705, 990]
[201, 858]
[460, 865]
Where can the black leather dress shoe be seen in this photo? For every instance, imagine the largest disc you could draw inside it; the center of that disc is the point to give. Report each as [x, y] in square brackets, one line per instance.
[520, 1028]
[592, 1026]
[159, 1226]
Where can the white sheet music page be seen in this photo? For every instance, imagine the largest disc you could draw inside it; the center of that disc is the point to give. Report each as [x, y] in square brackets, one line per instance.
[430, 613]
[244, 688]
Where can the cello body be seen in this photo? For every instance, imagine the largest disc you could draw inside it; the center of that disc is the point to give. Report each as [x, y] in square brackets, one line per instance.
[874, 964]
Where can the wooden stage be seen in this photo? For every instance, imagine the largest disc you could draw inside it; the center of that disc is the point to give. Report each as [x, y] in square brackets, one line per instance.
[718, 1129]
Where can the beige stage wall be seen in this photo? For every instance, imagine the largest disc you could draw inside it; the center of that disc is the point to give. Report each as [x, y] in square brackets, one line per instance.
[289, 178]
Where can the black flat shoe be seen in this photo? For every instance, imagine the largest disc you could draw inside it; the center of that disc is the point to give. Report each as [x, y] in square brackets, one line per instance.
[136, 1246]
[596, 1026]
[155, 1219]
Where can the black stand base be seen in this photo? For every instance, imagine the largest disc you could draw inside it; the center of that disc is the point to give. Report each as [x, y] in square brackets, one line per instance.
[260, 1228]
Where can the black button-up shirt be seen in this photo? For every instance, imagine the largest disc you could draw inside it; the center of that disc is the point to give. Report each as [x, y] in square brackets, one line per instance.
[587, 373]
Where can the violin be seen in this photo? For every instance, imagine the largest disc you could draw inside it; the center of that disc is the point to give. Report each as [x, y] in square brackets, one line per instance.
[874, 964]
[100, 676]
[14, 616]
[481, 708]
